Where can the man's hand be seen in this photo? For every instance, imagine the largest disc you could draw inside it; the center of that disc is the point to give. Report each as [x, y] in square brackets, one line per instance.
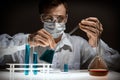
[93, 29]
[42, 38]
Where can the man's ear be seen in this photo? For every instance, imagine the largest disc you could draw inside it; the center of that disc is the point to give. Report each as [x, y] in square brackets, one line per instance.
[66, 18]
[41, 17]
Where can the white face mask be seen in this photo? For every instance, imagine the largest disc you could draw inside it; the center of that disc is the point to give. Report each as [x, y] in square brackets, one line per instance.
[55, 29]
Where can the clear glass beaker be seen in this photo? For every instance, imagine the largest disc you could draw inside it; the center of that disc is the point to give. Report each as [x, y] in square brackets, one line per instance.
[97, 66]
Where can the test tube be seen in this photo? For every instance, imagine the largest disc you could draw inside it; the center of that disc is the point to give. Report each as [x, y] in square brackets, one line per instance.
[66, 68]
[35, 62]
[27, 54]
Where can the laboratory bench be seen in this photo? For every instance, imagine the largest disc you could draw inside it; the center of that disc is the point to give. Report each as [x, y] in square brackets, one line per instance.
[57, 75]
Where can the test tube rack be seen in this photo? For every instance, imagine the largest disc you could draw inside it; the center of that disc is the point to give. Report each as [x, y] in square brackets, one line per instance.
[43, 68]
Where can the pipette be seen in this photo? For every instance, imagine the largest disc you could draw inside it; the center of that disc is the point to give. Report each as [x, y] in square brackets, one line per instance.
[71, 32]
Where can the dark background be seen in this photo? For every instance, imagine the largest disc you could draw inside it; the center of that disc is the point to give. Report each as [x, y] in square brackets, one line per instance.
[21, 16]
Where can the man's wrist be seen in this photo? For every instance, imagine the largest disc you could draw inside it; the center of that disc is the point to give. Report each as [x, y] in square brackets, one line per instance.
[93, 42]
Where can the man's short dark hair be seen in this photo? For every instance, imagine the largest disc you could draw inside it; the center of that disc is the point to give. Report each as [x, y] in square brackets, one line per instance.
[45, 5]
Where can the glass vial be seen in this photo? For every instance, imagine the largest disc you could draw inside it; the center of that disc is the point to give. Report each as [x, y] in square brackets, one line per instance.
[35, 62]
[27, 54]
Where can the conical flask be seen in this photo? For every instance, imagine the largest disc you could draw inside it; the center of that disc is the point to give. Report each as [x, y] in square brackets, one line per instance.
[97, 66]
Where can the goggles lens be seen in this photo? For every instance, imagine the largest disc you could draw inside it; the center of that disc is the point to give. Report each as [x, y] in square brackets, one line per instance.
[53, 18]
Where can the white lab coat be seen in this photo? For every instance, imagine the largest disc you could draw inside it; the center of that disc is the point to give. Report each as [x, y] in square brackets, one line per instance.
[77, 55]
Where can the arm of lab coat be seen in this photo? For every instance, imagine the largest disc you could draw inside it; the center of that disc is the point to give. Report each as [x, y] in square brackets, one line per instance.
[111, 56]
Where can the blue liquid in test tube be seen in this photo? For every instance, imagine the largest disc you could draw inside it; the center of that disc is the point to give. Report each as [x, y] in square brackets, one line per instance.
[66, 68]
[27, 54]
[35, 62]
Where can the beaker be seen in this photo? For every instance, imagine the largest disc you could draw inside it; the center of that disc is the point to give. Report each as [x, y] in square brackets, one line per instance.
[97, 66]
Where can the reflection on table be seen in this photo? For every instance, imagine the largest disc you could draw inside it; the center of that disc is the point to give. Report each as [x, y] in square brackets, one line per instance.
[58, 75]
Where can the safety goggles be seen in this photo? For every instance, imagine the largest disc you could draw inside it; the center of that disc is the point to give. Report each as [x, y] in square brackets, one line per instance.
[54, 18]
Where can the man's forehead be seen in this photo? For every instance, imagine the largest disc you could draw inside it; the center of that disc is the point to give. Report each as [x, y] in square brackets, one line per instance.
[59, 10]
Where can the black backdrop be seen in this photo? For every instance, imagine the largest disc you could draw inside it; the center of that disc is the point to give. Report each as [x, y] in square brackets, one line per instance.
[22, 16]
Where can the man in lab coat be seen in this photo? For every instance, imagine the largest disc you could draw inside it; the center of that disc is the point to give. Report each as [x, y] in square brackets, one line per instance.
[68, 49]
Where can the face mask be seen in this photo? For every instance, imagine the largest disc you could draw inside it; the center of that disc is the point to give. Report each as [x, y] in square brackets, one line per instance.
[55, 29]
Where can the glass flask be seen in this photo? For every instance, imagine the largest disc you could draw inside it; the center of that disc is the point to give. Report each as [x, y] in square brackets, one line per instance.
[97, 66]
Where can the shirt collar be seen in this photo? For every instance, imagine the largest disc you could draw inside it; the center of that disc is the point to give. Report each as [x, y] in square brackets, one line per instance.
[64, 42]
